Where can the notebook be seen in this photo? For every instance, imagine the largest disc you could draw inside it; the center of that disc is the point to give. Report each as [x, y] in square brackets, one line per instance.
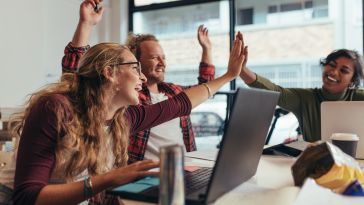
[343, 116]
[238, 157]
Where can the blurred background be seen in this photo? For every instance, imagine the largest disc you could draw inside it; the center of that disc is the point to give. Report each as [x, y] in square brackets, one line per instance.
[286, 40]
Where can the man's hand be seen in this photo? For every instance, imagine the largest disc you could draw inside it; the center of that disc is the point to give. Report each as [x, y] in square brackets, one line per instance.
[88, 13]
[203, 37]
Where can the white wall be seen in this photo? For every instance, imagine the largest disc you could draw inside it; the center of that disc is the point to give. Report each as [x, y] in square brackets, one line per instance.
[33, 36]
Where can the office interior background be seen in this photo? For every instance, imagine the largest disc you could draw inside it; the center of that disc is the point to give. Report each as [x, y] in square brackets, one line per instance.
[286, 40]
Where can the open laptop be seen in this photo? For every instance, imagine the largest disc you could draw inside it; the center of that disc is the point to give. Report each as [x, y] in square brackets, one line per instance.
[238, 157]
[346, 117]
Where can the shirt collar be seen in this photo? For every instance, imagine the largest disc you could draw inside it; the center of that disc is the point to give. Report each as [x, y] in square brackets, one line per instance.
[333, 97]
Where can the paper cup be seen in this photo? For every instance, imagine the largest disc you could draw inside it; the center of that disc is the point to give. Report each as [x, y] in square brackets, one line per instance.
[347, 142]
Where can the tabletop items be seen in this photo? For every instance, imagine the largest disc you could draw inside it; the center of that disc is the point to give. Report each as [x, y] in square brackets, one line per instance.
[331, 168]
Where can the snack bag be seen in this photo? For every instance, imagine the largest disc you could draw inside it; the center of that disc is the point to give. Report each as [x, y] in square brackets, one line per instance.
[329, 166]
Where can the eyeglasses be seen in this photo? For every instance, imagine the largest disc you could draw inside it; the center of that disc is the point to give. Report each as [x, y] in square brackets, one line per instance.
[138, 67]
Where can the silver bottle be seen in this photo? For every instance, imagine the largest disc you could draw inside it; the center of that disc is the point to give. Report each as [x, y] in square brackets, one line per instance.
[172, 186]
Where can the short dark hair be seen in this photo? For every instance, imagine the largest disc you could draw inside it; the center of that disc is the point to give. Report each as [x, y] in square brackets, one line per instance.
[134, 41]
[354, 56]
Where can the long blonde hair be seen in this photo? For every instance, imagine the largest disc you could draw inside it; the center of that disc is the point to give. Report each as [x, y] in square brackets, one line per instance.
[85, 134]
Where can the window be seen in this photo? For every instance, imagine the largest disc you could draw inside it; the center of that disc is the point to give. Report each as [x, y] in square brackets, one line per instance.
[272, 9]
[290, 6]
[286, 39]
[245, 16]
[176, 29]
[297, 12]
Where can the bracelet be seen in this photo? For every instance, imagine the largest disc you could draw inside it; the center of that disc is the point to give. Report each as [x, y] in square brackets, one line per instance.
[87, 187]
[208, 89]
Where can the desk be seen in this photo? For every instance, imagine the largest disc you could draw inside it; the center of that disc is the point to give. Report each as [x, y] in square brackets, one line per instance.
[272, 184]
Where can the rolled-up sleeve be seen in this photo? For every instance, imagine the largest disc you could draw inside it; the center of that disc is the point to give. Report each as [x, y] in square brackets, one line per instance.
[206, 73]
[72, 57]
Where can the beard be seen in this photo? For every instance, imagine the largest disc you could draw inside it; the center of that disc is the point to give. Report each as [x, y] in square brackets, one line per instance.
[155, 79]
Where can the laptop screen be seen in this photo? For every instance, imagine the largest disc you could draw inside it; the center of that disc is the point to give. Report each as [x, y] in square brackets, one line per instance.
[243, 140]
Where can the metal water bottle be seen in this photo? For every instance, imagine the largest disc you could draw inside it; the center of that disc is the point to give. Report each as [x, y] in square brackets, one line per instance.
[172, 186]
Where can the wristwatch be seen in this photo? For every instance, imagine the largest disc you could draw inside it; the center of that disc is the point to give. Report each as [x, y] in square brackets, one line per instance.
[87, 187]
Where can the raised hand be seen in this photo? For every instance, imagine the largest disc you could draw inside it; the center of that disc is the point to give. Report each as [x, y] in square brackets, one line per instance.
[204, 41]
[133, 171]
[203, 37]
[240, 36]
[246, 74]
[238, 56]
[88, 13]
[89, 17]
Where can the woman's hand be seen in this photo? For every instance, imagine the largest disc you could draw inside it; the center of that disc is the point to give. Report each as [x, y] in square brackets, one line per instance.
[246, 74]
[133, 171]
[238, 56]
[88, 14]
[240, 36]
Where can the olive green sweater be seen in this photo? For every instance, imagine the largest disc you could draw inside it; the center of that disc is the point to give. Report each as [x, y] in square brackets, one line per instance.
[305, 104]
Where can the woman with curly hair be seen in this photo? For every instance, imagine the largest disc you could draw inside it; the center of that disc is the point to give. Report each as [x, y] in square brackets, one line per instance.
[74, 134]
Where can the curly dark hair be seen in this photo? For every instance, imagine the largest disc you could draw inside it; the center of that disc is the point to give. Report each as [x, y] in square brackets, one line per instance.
[357, 62]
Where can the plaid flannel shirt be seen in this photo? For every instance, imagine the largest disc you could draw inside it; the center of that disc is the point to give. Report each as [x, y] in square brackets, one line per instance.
[138, 142]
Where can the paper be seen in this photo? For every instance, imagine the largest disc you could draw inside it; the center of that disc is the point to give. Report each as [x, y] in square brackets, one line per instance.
[205, 154]
[313, 194]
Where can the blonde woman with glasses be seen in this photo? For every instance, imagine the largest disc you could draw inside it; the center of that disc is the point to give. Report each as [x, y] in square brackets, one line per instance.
[74, 134]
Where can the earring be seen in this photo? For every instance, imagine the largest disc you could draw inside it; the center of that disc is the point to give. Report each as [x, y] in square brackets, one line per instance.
[117, 89]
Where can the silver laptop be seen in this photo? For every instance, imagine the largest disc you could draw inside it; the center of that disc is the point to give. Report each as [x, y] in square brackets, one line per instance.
[238, 157]
[343, 116]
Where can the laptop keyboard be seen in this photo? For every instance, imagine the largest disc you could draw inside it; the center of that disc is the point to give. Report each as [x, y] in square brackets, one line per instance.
[197, 180]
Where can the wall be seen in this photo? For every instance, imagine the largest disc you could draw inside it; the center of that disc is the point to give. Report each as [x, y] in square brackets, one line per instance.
[33, 36]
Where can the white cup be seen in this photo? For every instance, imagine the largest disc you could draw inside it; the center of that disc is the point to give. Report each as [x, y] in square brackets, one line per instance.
[347, 142]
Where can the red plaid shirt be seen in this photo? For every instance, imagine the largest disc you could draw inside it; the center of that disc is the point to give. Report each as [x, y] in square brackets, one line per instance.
[138, 142]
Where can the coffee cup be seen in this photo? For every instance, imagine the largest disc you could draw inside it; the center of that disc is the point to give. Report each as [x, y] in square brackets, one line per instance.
[347, 142]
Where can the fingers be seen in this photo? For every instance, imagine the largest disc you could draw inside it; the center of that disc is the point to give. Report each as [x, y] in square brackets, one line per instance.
[236, 50]
[245, 54]
[242, 51]
[144, 165]
[202, 30]
[90, 2]
[100, 10]
[239, 36]
[149, 173]
[94, 4]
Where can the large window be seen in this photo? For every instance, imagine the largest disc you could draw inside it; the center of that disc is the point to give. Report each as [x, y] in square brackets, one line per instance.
[176, 29]
[286, 38]
[289, 37]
